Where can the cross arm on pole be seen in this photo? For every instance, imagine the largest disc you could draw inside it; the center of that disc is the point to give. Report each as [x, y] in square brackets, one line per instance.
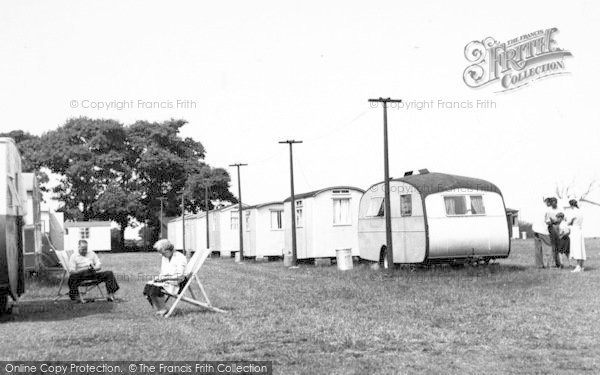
[290, 141]
[386, 100]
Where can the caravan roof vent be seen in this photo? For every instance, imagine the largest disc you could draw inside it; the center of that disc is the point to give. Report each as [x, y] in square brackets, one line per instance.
[423, 171]
[408, 173]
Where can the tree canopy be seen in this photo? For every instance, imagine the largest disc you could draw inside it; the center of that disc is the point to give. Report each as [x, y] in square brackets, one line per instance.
[109, 171]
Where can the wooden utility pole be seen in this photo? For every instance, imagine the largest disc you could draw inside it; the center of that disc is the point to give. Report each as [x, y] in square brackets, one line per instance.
[161, 199]
[291, 142]
[240, 225]
[386, 173]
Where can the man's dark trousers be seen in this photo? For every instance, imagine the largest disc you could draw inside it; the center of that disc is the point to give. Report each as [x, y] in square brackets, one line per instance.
[107, 277]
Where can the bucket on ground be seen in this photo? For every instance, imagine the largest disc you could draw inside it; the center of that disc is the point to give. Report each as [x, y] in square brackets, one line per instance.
[287, 258]
[344, 259]
[237, 256]
[524, 235]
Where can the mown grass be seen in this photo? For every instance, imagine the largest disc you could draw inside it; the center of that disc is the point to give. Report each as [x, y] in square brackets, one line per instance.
[504, 318]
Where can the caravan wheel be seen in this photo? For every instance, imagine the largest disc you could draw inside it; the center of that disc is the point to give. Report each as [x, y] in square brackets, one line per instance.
[383, 261]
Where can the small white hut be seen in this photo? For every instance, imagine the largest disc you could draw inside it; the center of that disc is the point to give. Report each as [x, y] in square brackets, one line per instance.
[96, 233]
[224, 229]
[326, 220]
[175, 232]
[263, 231]
[195, 232]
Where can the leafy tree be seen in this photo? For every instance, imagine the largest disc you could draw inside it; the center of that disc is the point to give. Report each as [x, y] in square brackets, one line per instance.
[119, 205]
[114, 172]
[165, 164]
[89, 155]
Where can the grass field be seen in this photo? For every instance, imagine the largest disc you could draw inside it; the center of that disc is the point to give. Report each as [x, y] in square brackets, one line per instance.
[504, 318]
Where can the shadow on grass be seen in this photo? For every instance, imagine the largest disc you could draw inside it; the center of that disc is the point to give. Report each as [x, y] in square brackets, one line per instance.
[446, 269]
[44, 278]
[50, 310]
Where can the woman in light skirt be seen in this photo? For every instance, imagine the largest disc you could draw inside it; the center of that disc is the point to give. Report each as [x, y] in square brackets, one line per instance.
[577, 240]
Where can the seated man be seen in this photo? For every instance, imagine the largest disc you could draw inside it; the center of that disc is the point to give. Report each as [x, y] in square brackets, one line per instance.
[85, 265]
[172, 274]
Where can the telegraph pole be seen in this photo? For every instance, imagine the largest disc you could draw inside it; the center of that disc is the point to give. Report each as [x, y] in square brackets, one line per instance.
[161, 199]
[386, 172]
[291, 142]
[240, 226]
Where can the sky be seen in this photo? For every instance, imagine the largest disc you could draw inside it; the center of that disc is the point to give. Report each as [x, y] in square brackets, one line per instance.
[246, 75]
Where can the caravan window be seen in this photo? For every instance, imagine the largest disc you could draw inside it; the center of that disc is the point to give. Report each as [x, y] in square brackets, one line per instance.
[276, 220]
[341, 211]
[406, 205]
[477, 207]
[376, 207]
[456, 205]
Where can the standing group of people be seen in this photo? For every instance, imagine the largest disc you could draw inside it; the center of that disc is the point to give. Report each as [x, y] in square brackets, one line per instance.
[562, 230]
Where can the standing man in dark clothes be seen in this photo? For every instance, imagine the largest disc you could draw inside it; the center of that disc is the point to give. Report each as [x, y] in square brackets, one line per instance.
[553, 229]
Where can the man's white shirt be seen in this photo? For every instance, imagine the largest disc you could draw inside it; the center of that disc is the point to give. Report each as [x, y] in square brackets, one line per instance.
[79, 262]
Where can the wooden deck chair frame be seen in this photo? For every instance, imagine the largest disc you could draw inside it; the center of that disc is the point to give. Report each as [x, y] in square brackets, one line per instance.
[63, 259]
[191, 272]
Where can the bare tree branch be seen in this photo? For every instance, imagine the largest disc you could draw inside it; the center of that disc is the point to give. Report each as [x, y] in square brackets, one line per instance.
[564, 191]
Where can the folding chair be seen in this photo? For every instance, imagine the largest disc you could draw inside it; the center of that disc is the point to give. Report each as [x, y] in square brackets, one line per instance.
[88, 285]
[191, 273]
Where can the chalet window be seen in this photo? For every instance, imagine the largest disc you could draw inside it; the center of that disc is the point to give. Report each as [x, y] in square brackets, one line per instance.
[376, 207]
[477, 207]
[456, 205]
[234, 223]
[406, 205]
[341, 211]
[84, 233]
[299, 214]
[276, 220]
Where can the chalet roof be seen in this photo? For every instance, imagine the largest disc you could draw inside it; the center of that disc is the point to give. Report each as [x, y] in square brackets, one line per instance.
[202, 213]
[261, 205]
[86, 224]
[314, 193]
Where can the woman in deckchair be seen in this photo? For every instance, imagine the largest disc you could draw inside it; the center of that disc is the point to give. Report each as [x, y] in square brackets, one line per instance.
[172, 273]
